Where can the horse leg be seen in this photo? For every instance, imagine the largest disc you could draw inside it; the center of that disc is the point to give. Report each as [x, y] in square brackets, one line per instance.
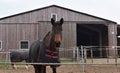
[54, 69]
[36, 69]
[43, 69]
[14, 66]
[40, 69]
[26, 66]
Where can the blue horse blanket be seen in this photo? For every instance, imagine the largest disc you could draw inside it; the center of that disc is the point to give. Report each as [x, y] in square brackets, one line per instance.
[39, 53]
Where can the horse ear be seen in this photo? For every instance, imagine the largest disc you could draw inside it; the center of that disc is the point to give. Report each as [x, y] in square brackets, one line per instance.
[52, 21]
[61, 21]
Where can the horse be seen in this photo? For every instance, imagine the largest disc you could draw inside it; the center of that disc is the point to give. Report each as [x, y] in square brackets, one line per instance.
[19, 56]
[47, 50]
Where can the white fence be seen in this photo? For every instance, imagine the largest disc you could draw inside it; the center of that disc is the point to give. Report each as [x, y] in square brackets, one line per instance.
[84, 59]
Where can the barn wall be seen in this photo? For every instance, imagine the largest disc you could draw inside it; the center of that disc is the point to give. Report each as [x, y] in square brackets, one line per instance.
[23, 26]
[45, 15]
[12, 34]
[68, 33]
[35, 24]
[43, 29]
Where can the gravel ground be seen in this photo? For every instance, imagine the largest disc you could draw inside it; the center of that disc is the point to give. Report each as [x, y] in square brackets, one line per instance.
[74, 68]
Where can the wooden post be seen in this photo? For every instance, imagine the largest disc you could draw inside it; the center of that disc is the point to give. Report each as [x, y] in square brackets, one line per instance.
[85, 54]
[78, 54]
[74, 54]
[82, 53]
[116, 55]
[107, 53]
[91, 50]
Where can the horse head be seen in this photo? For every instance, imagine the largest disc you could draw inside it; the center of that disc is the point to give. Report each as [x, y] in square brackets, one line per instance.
[57, 31]
[54, 37]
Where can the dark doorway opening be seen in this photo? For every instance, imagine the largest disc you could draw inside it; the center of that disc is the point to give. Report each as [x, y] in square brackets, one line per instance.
[92, 35]
[86, 36]
[118, 39]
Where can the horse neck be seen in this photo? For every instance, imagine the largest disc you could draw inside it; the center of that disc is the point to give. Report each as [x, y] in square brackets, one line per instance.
[48, 40]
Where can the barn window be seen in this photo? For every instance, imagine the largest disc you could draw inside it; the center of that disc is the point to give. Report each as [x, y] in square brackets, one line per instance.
[24, 44]
[0, 45]
[54, 16]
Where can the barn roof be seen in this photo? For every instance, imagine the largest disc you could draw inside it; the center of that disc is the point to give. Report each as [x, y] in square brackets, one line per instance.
[58, 7]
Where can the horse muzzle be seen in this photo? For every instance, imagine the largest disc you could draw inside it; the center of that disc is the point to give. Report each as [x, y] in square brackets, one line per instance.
[58, 38]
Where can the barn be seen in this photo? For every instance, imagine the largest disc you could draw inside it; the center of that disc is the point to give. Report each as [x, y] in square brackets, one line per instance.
[18, 31]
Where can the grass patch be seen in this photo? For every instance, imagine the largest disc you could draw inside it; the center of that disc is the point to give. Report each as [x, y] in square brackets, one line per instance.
[68, 60]
[3, 65]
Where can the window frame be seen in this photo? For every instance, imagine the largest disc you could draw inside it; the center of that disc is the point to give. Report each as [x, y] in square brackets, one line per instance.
[55, 15]
[20, 44]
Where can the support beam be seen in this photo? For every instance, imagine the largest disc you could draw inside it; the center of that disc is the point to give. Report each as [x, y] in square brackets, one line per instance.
[112, 39]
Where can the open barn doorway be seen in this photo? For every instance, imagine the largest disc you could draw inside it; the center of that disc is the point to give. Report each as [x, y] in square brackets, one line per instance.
[118, 39]
[93, 35]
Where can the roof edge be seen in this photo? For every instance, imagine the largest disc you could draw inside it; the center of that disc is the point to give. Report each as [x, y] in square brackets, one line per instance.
[58, 7]
[86, 14]
[26, 12]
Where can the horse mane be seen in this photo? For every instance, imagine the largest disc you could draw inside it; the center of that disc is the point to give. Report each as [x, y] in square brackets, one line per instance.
[46, 35]
[47, 39]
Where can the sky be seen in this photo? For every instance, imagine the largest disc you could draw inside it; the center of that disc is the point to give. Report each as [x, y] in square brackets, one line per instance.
[108, 9]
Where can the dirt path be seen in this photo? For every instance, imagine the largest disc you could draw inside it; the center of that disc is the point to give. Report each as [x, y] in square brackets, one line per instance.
[71, 69]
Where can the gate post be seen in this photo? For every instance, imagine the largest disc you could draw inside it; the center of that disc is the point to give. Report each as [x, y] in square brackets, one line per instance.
[74, 54]
[82, 55]
[78, 54]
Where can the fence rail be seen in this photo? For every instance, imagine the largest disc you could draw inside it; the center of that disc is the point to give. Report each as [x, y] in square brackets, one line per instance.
[83, 59]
